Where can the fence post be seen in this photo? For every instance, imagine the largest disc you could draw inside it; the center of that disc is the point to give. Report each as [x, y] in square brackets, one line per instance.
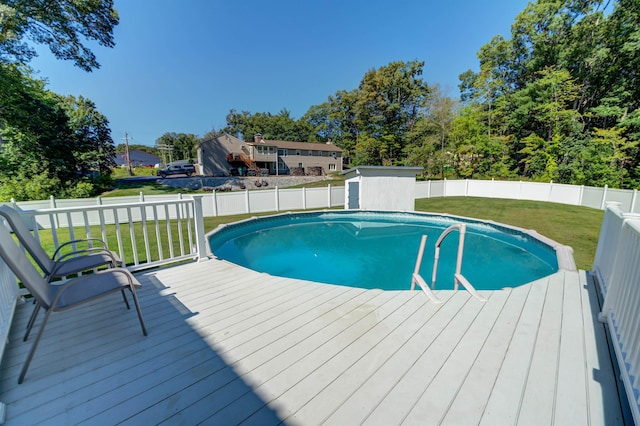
[246, 201]
[550, 191]
[466, 187]
[215, 203]
[604, 197]
[633, 201]
[329, 195]
[201, 241]
[277, 193]
[52, 201]
[304, 198]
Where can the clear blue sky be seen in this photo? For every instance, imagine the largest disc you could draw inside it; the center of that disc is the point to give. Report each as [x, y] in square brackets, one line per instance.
[180, 66]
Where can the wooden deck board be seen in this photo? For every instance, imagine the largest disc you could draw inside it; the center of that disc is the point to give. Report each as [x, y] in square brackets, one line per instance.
[228, 345]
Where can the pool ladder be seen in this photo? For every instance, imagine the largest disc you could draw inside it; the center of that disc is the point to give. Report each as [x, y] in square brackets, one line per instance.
[458, 278]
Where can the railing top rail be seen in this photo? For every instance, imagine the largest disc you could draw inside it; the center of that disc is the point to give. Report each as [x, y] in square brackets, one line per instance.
[81, 209]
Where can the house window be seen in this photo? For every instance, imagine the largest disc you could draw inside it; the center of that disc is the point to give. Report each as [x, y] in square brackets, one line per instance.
[297, 152]
[282, 152]
[332, 166]
[319, 153]
[300, 165]
[310, 153]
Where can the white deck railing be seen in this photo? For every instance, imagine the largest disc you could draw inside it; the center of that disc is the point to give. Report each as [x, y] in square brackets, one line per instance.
[617, 270]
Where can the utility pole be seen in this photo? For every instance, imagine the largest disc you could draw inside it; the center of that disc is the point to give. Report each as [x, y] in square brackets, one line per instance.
[126, 144]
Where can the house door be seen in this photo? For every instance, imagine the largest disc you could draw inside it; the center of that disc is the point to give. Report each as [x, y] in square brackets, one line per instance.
[354, 195]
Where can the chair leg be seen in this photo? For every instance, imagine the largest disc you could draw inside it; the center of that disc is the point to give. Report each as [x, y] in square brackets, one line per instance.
[124, 296]
[33, 348]
[32, 321]
[135, 301]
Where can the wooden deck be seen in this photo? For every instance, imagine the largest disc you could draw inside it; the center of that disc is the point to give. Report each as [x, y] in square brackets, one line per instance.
[228, 346]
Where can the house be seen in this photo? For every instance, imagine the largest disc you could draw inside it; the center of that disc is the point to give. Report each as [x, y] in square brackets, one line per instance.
[226, 154]
[137, 158]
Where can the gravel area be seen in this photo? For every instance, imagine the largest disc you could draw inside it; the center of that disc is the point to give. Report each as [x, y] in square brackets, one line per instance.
[235, 183]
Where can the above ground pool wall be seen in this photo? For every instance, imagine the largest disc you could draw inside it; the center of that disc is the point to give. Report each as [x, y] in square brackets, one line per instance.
[381, 188]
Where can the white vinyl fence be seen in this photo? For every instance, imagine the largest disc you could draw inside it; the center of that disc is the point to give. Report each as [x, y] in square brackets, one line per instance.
[586, 196]
[617, 270]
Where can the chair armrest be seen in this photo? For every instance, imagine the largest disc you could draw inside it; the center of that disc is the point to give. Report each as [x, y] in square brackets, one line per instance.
[90, 250]
[115, 260]
[81, 240]
[80, 280]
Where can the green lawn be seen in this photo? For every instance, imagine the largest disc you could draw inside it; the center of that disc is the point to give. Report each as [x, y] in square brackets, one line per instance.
[577, 227]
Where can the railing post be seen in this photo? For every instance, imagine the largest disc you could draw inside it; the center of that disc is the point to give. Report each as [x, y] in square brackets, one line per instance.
[198, 216]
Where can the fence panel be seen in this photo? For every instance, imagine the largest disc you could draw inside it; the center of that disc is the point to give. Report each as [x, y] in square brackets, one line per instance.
[456, 188]
[231, 203]
[565, 194]
[423, 189]
[608, 240]
[290, 199]
[337, 196]
[622, 196]
[8, 301]
[592, 197]
[317, 198]
[535, 191]
[620, 309]
[262, 201]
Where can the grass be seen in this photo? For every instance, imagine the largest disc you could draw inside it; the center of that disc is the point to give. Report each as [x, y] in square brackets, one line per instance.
[577, 227]
[127, 188]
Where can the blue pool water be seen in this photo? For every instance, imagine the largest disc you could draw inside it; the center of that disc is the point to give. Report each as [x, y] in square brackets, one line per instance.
[378, 250]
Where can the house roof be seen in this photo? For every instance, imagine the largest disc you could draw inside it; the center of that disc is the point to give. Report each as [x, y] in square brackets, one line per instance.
[299, 145]
[137, 157]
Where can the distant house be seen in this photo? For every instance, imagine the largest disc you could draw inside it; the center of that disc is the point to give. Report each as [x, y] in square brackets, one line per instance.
[225, 155]
[137, 158]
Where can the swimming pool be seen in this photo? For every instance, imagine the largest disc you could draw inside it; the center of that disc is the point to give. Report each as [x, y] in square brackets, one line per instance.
[371, 249]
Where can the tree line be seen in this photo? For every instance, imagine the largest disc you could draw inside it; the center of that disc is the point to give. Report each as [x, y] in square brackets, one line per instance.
[557, 100]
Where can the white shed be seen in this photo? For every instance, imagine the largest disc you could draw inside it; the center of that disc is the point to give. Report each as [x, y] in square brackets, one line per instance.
[381, 188]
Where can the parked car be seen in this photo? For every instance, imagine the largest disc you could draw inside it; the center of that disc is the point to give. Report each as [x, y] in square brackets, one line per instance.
[177, 169]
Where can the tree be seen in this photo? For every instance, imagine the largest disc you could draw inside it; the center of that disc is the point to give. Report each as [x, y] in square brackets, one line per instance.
[64, 26]
[92, 146]
[275, 127]
[389, 104]
[179, 146]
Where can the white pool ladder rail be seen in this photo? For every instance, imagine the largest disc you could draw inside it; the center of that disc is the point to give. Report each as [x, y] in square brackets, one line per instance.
[458, 278]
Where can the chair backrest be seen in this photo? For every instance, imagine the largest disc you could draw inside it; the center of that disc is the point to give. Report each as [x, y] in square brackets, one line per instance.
[18, 262]
[27, 240]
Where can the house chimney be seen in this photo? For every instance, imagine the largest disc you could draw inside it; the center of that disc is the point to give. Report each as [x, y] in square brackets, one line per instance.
[257, 137]
[329, 142]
